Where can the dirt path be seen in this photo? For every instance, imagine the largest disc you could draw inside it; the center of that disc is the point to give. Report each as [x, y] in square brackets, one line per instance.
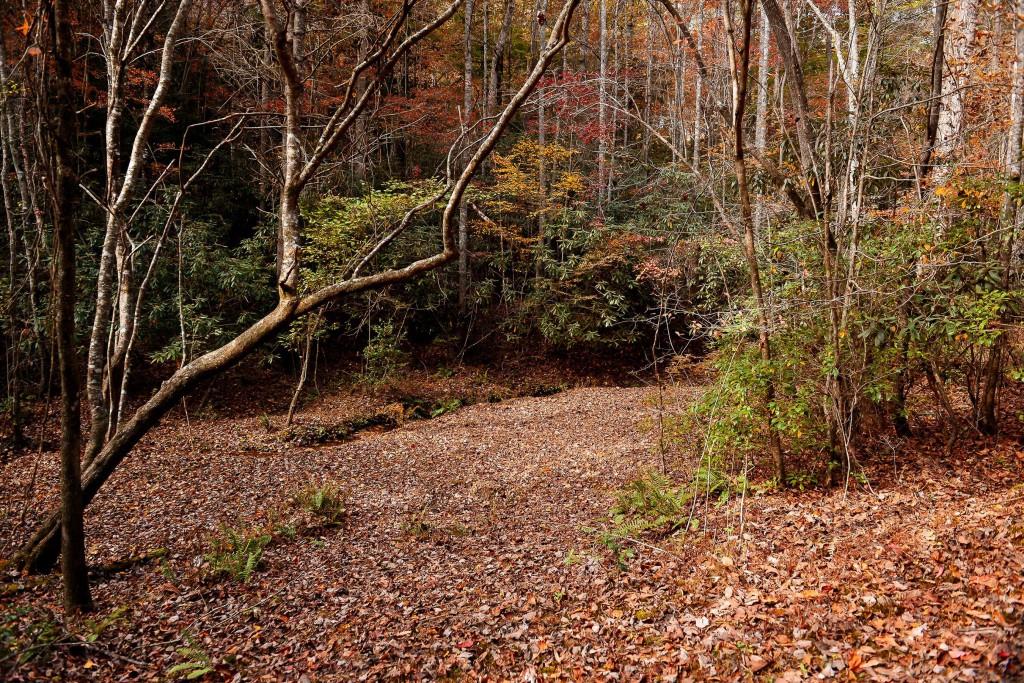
[466, 551]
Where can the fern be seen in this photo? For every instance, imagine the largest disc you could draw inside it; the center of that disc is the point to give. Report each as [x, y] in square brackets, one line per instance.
[653, 496]
[326, 500]
[237, 554]
[652, 505]
[197, 662]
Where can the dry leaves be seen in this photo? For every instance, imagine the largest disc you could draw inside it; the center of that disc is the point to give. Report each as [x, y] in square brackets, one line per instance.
[464, 555]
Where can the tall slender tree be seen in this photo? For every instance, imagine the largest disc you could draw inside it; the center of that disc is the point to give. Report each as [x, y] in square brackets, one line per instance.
[63, 141]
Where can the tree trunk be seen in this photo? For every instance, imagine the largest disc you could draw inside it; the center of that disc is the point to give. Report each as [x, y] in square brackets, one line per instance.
[118, 363]
[761, 111]
[698, 94]
[958, 46]
[739, 62]
[498, 59]
[303, 375]
[992, 378]
[118, 191]
[602, 105]
[467, 109]
[786, 44]
[74, 572]
[41, 551]
[542, 171]
[360, 162]
[648, 84]
[935, 91]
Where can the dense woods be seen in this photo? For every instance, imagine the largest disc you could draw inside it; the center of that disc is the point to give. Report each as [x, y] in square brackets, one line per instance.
[801, 214]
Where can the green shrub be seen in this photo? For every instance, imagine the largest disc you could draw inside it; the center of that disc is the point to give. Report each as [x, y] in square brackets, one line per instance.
[383, 356]
[650, 504]
[237, 554]
[653, 505]
[325, 500]
[652, 496]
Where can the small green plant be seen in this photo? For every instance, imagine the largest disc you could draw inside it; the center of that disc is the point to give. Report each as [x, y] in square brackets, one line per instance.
[27, 635]
[237, 553]
[616, 541]
[446, 406]
[94, 628]
[800, 480]
[653, 497]
[287, 530]
[196, 662]
[652, 505]
[542, 390]
[167, 571]
[419, 528]
[325, 500]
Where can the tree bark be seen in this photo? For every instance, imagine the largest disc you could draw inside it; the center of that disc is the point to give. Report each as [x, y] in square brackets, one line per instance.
[467, 110]
[934, 93]
[992, 376]
[698, 93]
[786, 44]
[74, 572]
[104, 369]
[542, 171]
[958, 47]
[602, 105]
[761, 111]
[498, 59]
[359, 133]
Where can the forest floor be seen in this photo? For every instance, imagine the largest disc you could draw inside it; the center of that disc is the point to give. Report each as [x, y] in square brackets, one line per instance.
[467, 550]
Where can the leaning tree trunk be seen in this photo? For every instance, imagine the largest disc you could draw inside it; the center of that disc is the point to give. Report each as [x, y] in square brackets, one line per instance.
[786, 44]
[41, 550]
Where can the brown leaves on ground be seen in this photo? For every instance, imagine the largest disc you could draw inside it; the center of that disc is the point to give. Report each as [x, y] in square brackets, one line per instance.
[464, 554]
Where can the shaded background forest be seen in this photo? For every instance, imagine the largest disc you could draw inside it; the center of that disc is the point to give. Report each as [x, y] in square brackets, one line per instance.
[882, 140]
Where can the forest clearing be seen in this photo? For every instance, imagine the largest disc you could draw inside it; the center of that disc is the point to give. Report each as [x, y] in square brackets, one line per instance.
[630, 340]
[471, 546]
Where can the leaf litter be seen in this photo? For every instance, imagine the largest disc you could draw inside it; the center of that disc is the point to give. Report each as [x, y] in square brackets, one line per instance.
[466, 551]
